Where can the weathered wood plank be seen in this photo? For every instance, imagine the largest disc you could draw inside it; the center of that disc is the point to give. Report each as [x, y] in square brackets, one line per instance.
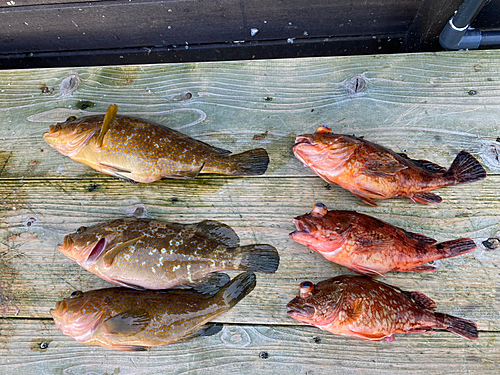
[430, 106]
[246, 349]
[261, 211]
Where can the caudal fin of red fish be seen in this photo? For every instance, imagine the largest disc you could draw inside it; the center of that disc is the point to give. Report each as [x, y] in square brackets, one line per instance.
[462, 327]
[456, 247]
[252, 163]
[465, 168]
[258, 258]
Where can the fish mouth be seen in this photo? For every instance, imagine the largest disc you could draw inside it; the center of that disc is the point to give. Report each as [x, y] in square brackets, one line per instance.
[60, 309]
[97, 250]
[294, 309]
[303, 139]
[302, 226]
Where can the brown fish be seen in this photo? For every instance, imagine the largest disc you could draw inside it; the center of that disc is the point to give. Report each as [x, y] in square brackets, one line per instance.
[361, 307]
[152, 254]
[125, 319]
[370, 171]
[138, 150]
[370, 246]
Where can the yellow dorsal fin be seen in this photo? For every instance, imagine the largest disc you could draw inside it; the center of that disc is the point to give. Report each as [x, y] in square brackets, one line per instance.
[108, 119]
[111, 254]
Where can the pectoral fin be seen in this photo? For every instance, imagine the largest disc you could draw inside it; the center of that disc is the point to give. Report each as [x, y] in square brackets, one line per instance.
[112, 253]
[368, 336]
[108, 119]
[127, 323]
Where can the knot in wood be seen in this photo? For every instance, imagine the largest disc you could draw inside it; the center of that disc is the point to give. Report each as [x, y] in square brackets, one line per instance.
[490, 154]
[356, 84]
[139, 211]
[69, 84]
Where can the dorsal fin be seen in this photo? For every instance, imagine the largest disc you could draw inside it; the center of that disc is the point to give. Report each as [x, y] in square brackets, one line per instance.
[424, 240]
[108, 119]
[323, 129]
[421, 299]
[218, 231]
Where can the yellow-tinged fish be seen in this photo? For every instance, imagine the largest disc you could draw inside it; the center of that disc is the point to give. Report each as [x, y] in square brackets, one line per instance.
[125, 319]
[137, 150]
[152, 254]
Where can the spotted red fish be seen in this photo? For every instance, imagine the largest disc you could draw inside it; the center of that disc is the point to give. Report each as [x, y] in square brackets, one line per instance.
[153, 254]
[370, 246]
[138, 150]
[126, 319]
[359, 306]
[371, 171]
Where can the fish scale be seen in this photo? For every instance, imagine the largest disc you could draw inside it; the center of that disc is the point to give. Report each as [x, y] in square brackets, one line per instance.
[152, 254]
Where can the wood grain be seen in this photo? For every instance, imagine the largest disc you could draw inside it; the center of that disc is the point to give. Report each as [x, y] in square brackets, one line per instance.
[245, 349]
[430, 106]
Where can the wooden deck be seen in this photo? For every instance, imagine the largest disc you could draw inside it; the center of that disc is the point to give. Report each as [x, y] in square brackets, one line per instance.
[427, 105]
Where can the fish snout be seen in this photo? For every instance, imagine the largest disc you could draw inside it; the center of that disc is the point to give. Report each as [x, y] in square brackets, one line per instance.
[306, 139]
[67, 245]
[295, 309]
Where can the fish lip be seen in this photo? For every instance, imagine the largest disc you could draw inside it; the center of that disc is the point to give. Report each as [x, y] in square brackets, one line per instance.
[303, 139]
[294, 309]
[301, 225]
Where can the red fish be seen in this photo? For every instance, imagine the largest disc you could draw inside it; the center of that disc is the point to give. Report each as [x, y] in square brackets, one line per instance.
[131, 320]
[361, 307]
[370, 246]
[137, 150]
[370, 171]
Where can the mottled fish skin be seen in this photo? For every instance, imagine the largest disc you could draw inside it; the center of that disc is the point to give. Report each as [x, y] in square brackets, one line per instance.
[138, 150]
[370, 246]
[126, 319]
[153, 254]
[361, 307]
[371, 171]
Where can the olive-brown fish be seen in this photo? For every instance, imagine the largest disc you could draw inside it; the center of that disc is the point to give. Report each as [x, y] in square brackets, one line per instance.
[370, 246]
[138, 150]
[153, 254]
[361, 307]
[131, 320]
[371, 171]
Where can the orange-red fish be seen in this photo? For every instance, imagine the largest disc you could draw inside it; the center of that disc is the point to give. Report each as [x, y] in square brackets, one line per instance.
[359, 306]
[152, 254]
[125, 319]
[370, 171]
[370, 246]
[138, 150]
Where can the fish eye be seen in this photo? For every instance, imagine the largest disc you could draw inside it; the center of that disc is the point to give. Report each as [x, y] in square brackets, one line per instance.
[71, 118]
[81, 230]
[76, 294]
[306, 289]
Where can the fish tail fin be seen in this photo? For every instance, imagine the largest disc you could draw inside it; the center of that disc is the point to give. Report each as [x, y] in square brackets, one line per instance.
[237, 289]
[258, 258]
[462, 327]
[465, 168]
[252, 162]
[456, 247]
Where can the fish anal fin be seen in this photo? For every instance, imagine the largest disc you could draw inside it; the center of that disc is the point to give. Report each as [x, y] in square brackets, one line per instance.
[127, 323]
[421, 299]
[112, 253]
[108, 119]
[424, 240]
[183, 175]
[126, 285]
[367, 200]
[420, 330]
[425, 198]
[365, 270]
[218, 231]
[368, 336]
[210, 329]
[129, 348]
[422, 268]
